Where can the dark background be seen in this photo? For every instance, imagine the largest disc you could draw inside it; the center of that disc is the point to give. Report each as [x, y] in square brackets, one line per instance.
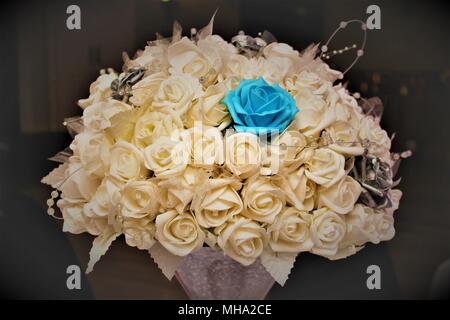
[46, 68]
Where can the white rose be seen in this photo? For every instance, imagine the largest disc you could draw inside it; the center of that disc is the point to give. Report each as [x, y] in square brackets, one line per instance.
[327, 231]
[344, 139]
[167, 157]
[236, 68]
[281, 61]
[209, 110]
[290, 231]
[105, 201]
[385, 225]
[326, 167]
[243, 154]
[271, 159]
[361, 226]
[97, 116]
[379, 142]
[305, 79]
[263, 199]
[99, 90]
[126, 162]
[243, 240]
[177, 93]
[340, 197]
[179, 233]
[145, 89]
[153, 58]
[178, 191]
[75, 220]
[185, 57]
[139, 233]
[348, 113]
[140, 199]
[299, 190]
[153, 125]
[316, 113]
[217, 202]
[93, 150]
[78, 185]
[123, 124]
[207, 146]
[294, 149]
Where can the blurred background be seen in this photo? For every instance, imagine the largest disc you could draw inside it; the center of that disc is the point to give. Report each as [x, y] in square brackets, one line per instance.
[46, 68]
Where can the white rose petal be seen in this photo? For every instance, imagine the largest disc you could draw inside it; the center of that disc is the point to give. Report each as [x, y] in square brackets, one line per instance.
[327, 231]
[217, 202]
[326, 167]
[243, 154]
[340, 197]
[179, 233]
[290, 231]
[243, 240]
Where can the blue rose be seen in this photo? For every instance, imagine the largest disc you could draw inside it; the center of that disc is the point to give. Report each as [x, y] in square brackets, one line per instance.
[259, 107]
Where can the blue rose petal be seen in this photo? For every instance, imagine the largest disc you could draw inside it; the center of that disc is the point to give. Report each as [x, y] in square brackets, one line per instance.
[259, 107]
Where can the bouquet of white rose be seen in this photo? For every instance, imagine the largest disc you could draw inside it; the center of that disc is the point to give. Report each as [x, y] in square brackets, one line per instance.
[247, 147]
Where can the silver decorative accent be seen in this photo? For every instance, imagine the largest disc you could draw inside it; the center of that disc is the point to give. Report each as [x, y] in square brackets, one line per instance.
[376, 179]
[121, 87]
[250, 46]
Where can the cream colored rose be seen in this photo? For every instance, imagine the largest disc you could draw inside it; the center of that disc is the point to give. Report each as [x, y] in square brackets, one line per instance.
[97, 116]
[327, 231]
[105, 202]
[153, 58]
[379, 142]
[185, 57]
[217, 202]
[236, 68]
[177, 93]
[243, 154]
[349, 113]
[361, 226]
[340, 197]
[305, 79]
[316, 113]
[93, 150]
[299, 190]
[290, 231]
[263, 199]
[209, 110]
[126, 162]
[78, 185]
[167, 157]
[139, 233]
[177, 192]
[145, 89]
[123, 124]
[294, 150]
[326, 167]
[243, 240]
[207, 146]
[281, 61]
[152, 125]
[385, 225]
[75, 220]
[140, 199]
[344, 139]
[180, 234]
[271, 159]
[99, 90]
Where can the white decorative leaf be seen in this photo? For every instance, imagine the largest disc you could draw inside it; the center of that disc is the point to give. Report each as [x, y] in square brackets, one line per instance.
[279, 265]
[56, 177]
[100, 245]
[166, 261]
